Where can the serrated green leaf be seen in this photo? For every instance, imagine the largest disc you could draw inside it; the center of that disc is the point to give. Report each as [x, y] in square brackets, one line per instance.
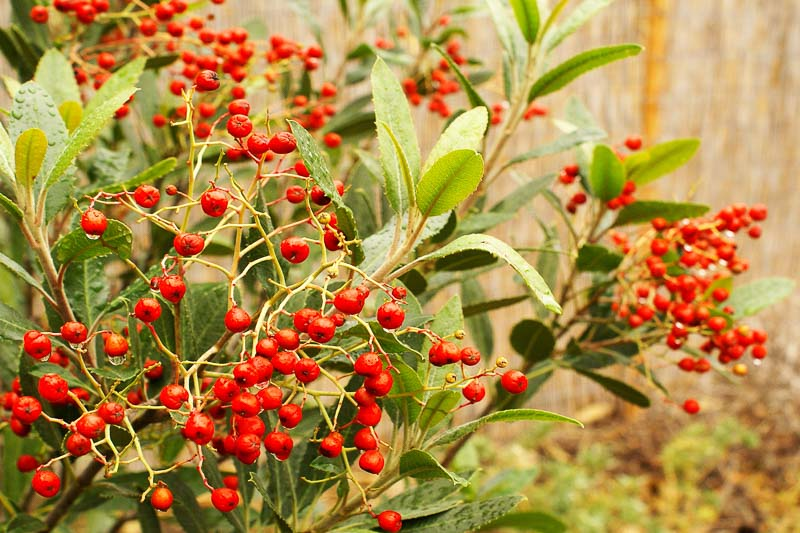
[464, 133]
[54, 73]
[391, 108]
[617, 388]
[16, 269]
[577, 18]
[607, 175]
[567, 71]
[510, 415]
[12, 324]
[29, 154]
[465, 260]
[87, 288]
[100, 109]
[203, 309]
[652, 163]
[533, 521]
[315, 162]
[473, 97]
[437, 408]
[159, 170]
[596, 258]
[407, 179]
[563, 143]
[533, 340]
[76, 246]
[23, 523]
[422, 465]
[6, 156]
[491, 305]
[467, 517]
[450, 180]
[747, 300]
[527, 15]
[502, 250]
[408, 384]
[643, 211]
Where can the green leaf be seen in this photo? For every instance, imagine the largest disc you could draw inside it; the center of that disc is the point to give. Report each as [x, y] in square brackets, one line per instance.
[491, 305]
[533, 340]
[34, 108]
[596, 258]
[159, 170]
[480, 222]
[100, 109]
[203, 309]
[377, 245]
[408, 383]
[563, 143]
[437, 408]
[71, 113]
[467, 517]
[158, 62]
[617, 388]
[391, 108]
[23, 523]
[464, 133]
[10, 207]
[450, 180]
[577, 18]
[29, 155]
[527, 15]
[607, 175]
[502, 250]
[212, 473]
[643, 211]
[650, 164]
[473, 97]
[567, 71]
[185, 506]
[76, 246]
[522, 195]
[747, 300]
[422, 465]
[511, 415]
[87, 288]
[315, 162]
[6, 156]
[529, 521]
[55, 74]
[17, 269]
[12, 324]
[148, 520]
[509, 36]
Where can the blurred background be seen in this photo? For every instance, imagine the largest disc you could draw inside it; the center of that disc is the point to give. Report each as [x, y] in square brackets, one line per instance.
[728, 72]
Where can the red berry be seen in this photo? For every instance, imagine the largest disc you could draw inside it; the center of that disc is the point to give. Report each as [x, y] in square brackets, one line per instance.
[369, 415]
[290, 415]
[172, 288]
[146, 195]
[474, 391]
[295, 250]
[278, 443]
[36, 344]
[267, 347]
[717, 323]
[78, 445]
[53, 388]
[214, 202]
[444, 353]
[46, 483]
[111, 412]
[322, 329]
[282, 143]
[758, 212]
[27, 409]
[380, 384]
[306, 370]
[237, 319]
[245, 374]
[295, 194]
[258, 144]
[39, 14]
[331, 446]
[270, 398]
[239, 126]
[199, 428]
[207, 80]
[332, 140]
[74, 332]
[390, 521]
[284, 362]
[173, 396]
[161, 499]
[633, 143]
[303, 318]
[93, 222]
[391, 315]
[106, 60]
[371, 461]
[368, 364]
[363, 397]
[225, 499]
[514, 382]
[115, 345]
[27, 463]
[239, 107]
[691, 406]
[225, 389]
[365, 440]
[148, 27]
[245, 404]
[470, 356]
[147, 309]
[349, 301]
[188, 244]
[90, 425]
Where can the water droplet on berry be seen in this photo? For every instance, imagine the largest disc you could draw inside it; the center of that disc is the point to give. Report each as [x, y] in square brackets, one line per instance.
[92, 237]
[116, 360]
[45, 359]
[74, 346]
[756, 362]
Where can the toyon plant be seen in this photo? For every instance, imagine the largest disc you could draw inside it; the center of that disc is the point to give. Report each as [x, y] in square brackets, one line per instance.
[223, 281]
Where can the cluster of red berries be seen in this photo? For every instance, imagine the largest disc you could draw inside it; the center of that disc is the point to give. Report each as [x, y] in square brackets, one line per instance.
[677, 281]
[436, 84]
